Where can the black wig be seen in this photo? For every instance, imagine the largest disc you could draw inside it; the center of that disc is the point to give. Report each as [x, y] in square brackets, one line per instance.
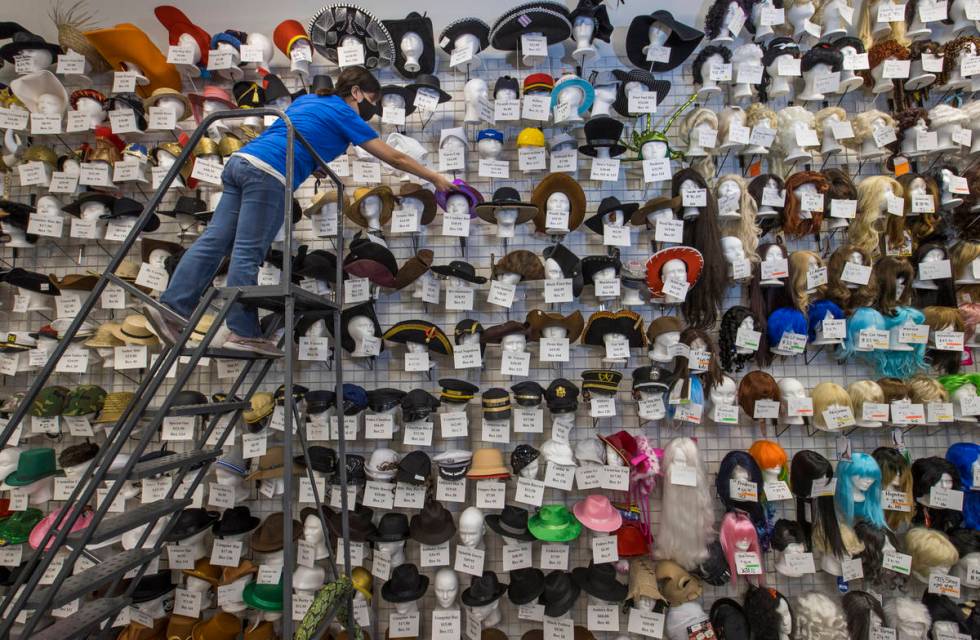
[703, 301]
[859, 609]
[761, 608]
[806, 468]
[755, 510]
[823, 53]
[707, 52]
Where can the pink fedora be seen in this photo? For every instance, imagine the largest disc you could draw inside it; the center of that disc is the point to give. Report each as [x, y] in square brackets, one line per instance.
[42, 527]
[598, 514]
[210, 92]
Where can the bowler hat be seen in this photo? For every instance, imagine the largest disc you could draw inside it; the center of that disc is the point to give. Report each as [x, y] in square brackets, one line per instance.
[235, 521]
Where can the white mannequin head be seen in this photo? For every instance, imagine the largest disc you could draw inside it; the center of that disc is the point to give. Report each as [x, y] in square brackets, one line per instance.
[446, 588]
[48, 205]
[395, 551]
[554, 332]
[40, 58]
[407, 608]
[93, 109]
[471, 528]
[457, 204]
[188, 41]
[412, 48]
[489, 149]
[371, 210]
[258, 39]
[732, 249]
[605, 96]
[474, 91]
[789, 388]
[514, 343]
[662, 344]
[558, 202]
[530, 470]
[723, 394]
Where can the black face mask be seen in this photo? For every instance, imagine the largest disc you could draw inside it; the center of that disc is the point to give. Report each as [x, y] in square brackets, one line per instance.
[367, 110]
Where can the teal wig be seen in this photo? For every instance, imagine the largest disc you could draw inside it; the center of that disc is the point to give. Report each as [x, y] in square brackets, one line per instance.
[862, 318]
[903, 364]
[861, 465]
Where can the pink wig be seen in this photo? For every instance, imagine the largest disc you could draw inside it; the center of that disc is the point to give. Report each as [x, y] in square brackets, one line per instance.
[736, 527]
[970, 311]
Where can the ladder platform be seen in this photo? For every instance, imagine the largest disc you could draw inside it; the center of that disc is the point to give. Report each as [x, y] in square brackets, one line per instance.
[206, 409]
[119, 524]
[271, 296]
[160, 465]
[88, 616]
[87, 581]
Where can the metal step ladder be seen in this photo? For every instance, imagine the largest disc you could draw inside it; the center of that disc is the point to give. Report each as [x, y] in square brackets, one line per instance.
[94, 617]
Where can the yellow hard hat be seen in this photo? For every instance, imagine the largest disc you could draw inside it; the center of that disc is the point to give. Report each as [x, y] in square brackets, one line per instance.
[530, 137]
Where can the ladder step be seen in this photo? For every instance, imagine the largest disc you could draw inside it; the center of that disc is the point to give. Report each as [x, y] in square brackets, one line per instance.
[88, 616]
[92, 578]
[226, 354]
[118, 524]
[157, 466]
[209, 409]
[270, 297]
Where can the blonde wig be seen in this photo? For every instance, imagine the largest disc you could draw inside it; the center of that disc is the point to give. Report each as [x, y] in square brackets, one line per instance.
[886, 273]
[838, 291]
[861, 123]
[684, 537]
[788, 117]
[862, 391]
[826, 395]
[799, 266]
[926, 389]
[829, 112]
[924, 225]
[818, 618]
[793, 223]
[961, 257]
[727, 116]
[705, 165]
[864, 228]
[759, 113]
[930, 549]
[866, 21]
[895, 469]
[944, 115]
[938, 318]
[746, 228]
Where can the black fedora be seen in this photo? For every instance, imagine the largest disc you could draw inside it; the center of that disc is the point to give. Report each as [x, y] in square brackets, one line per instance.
[191, 522]
[235, 521]
[483, 590]
[459, 269]
[560, 593]
[433, 525]
[526, 585]
[359, 521]
[608, 205]
[507, 198]
[319, 265]
[599, 580]
[511, 523]
[603, 132]
[406, 584]
[152, 586]
[393, 527]
[682, 41]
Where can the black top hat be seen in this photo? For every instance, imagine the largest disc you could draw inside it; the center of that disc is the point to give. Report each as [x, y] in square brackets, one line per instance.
[506, 82]
[475, 26]
[322, 459]
[506, 198]
[359, 520]
[152, 586]
[235, 521]
[365, 309]
[599, 580]
[600, 132]
[433, 525]
[355, 471]
[522, 456]
[526, 585]
[608, 205]
[383, 399]
[457, 391]
[651, 379]
[406, 584]
[185, 205]
[483, 590]
[496, 404]
[393, 527]
[621, 104]
[527, 393]
[593, 264]
[561, 396]
[418, 404]
[414, 468]
[459, 269]
[429, 81]
[421, 25]
[570, 264]
[22, 40]
[560, 593]
[550, 19]
[319, 400]
[190, 522]
[511, 523]
[23, 279]
[319, 264]
[602, 381]
[682, 41]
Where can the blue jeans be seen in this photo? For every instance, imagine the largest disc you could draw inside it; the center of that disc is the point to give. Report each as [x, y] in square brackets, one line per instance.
[244, 224]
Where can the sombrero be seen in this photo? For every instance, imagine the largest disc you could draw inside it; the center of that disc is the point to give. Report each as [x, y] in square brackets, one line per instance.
[691, 257]
[333, 23]
[550, 19]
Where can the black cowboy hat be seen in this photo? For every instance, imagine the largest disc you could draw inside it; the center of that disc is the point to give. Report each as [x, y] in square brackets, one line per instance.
[511, 523]
[526, 585]
[660, 87]
[608, 205]
[599, 580]
[418, 404]
[475, 26]
[360, 525]
[550, 19]
[408, 96]
[427, 80]
[406, 584]
[152, 586]
[506, 198]
[682, 41]
[483, 590]
[190, 522]
[603, 131]
[393, 527]
[593, 264]
[235, 521]
[560, 593]
[433, 525]
[185, 205]
[422, 26]
[459, 269]
[75, 207]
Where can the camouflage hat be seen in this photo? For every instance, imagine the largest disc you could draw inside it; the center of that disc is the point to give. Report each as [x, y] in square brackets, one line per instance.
[85, 400]
[49, 402]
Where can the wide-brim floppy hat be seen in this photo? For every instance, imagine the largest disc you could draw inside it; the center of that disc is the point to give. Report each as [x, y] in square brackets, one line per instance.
[422, 26]
[420, 193]
[598, 514]
[682, 41]
[621, 104]
[352, 209]
[128, 43]
[413, 269]
[558, 183]
[177, 23]
[506, 198]
[333, 23]
[639, 217]
[624, 322]
[31, 86]
[550, 19]
[460, 188]
[538, 320]
[372, 260]
[689, 255]
[321, 198]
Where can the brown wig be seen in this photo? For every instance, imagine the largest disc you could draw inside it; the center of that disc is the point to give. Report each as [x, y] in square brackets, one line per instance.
[703, 301]
[713, 375]
[886, 273]
[756, 385]
[756, 188]
[924, 225]
[951, 55]
[895, 390]
[961, 256]
[838, 291]
[877, 55]
[895, 465]
[905, 120]
[938, 319]
[793, 224]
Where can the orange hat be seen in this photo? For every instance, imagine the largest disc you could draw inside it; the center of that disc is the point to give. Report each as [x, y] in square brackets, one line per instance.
[177, 24]
[287, 33]
[128, 43]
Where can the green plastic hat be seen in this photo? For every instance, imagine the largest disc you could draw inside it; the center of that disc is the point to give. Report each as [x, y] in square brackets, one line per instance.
[50, 402]
[264, 597]
[84, 400]
[17, 528]
[33, 465]
[554, 523]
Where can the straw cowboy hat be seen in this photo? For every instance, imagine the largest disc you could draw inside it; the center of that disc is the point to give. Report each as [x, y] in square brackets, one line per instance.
[135, 330]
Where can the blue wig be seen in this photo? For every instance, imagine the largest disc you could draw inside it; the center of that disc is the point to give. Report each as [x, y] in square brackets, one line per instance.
[905, 363]
[862, 318]
[783, 320]
[695, 394]
[964, 455]
[861, 465]
[818, 312]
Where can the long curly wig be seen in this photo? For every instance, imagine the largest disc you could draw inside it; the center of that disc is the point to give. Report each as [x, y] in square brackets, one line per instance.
[951, 51]
[716, 14]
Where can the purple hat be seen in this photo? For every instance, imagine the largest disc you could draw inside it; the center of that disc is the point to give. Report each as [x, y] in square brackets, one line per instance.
[474, 196]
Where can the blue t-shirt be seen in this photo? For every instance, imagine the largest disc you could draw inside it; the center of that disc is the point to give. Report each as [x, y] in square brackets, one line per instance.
[326, 122]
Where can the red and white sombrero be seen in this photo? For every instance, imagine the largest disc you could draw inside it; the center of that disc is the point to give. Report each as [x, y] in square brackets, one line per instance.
[689, 255]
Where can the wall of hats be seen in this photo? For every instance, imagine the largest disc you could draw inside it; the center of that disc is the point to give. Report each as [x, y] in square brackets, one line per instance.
[688, 350]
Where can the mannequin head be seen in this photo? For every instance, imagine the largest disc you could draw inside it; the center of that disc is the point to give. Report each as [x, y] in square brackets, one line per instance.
[471, 528]
[457, 204]
[446, 587]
